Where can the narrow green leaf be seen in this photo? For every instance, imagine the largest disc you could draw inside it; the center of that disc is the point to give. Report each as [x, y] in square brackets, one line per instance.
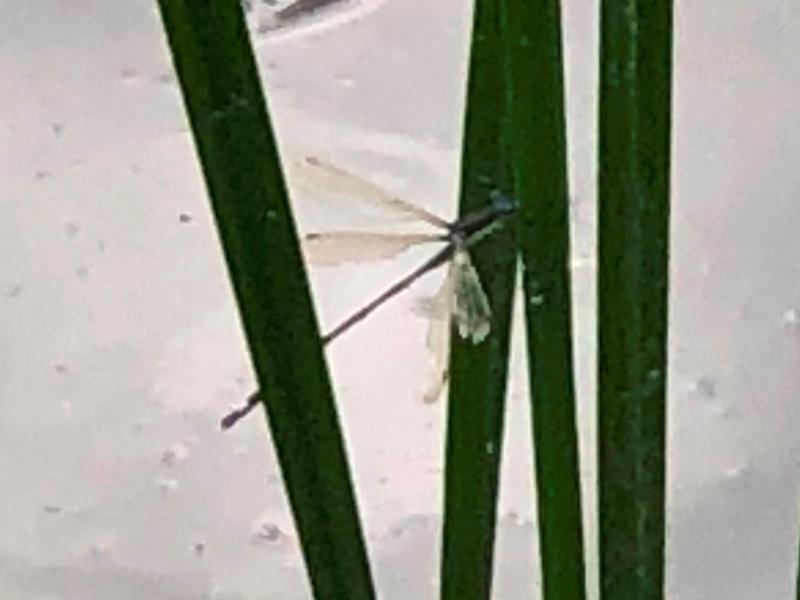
[633, 187]
[797, 580]
[478, 373]
[532, 31]
[222, 93]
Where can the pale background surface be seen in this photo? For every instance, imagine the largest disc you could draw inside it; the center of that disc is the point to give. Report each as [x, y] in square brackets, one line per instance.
[122, 348]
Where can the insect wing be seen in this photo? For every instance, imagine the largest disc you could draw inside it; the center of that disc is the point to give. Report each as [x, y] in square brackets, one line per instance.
[471, 310]
[439, 310]
[316, 176]
[461, 299]
[337, 247]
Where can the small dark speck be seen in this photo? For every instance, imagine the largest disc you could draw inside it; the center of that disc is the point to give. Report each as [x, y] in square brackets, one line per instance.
[128, 73]
[101, 246]
[60, 368]
[184, 218]
[82, 272]
[40, 175]
[14, 291]
[71, 229]
[269, 532]
[513, 516]
[706, 386]
[51, 509]
[199, 548]
[57, 128]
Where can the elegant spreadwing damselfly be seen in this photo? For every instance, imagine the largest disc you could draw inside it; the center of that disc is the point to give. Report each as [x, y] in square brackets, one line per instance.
[461, 299]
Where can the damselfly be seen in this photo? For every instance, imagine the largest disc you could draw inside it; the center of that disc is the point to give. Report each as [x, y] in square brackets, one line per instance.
[461, 297]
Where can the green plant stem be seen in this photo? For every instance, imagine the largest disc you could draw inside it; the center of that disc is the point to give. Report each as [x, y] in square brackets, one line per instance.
[633, 186]
[479, 372]
[532, 31]
[234, 140]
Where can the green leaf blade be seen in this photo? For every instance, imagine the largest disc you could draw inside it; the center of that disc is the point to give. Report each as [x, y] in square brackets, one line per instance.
[479, 372]
[239, 157]
[532, 31]
[633, 235]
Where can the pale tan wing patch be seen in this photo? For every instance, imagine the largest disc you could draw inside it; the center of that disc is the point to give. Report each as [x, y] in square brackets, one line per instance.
[315, 175]
[471, 311]
[334, 248]
[460, 300]
[438, 311]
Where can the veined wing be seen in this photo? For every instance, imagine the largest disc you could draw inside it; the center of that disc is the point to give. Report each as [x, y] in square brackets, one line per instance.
[439, 310]
[471, 310]
[461, 300]
[316, 175]
[338, 247]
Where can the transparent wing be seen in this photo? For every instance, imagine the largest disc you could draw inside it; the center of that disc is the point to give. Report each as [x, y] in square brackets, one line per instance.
[338, 247]
[315, 175]
[471, 310]
[436, 383]
[438, 310]
[461, 299]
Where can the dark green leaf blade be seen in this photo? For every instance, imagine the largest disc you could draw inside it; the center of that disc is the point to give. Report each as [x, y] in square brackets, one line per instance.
[479, 372]
[532, 31]
[797, 574]
[222, 93]
[633, 188]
